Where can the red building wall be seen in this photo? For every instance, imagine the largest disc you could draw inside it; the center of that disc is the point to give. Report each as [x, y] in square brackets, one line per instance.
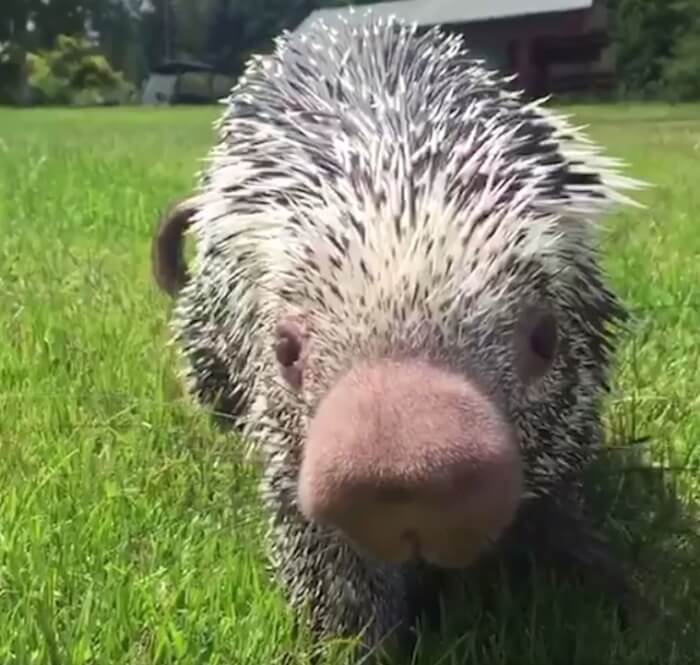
[526, 45]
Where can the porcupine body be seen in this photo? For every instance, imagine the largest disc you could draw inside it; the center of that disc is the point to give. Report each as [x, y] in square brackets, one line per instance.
[391, 186]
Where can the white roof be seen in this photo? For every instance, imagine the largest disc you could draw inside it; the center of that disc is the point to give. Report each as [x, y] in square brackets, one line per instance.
[432, 12]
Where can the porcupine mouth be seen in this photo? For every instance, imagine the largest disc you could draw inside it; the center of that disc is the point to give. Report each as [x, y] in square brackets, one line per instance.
[447, 546]
[411, 551]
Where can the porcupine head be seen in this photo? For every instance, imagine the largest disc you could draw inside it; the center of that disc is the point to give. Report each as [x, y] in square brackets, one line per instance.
[398, 256]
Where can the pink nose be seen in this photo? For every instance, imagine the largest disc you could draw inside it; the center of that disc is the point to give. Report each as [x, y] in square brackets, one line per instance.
[407, 460]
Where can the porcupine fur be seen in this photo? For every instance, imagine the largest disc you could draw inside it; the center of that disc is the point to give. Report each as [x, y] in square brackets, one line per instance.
[388, 183]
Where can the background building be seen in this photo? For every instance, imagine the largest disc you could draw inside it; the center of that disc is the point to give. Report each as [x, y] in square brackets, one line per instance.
[555, 46]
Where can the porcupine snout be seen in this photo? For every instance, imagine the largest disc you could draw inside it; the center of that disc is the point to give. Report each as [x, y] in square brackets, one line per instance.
[409, 461]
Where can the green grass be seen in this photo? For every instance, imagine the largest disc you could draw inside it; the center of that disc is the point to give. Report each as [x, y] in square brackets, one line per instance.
[129, 529]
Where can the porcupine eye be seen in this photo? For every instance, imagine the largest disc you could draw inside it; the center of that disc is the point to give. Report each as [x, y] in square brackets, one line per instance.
[288, 346]
[543, 338]
[536, 343]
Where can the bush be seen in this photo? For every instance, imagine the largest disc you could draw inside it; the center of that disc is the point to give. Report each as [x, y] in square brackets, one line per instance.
[643, 34]
[681, 71]
[12, 60]
[657, 47]
[73, 74]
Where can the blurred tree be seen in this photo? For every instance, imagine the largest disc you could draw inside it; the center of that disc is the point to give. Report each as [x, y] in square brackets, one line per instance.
[237, 28]
[116, 23]
[192, 21]
[74, 72]
[59, 17]
[681, 70]
[657, 46]
[643, 34]
[135, 35]
[158, 30]
[16, 29]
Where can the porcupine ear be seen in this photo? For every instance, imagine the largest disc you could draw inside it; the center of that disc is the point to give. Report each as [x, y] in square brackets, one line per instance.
[167, 256]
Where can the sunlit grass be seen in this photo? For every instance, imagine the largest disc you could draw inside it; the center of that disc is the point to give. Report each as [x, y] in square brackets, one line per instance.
[129, 528]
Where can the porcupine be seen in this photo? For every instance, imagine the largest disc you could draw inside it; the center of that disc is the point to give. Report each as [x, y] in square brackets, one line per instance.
[397, 297]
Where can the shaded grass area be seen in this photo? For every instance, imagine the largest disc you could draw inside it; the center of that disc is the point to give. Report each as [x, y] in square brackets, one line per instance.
[129, 529]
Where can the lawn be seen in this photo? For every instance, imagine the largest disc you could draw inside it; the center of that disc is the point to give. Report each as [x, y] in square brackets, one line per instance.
[129, 529]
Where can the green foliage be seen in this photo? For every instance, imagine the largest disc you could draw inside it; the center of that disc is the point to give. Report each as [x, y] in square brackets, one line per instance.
[681, 71]
[121, 38]
[12, 63]
[73, 73]
[643, 32]
[657, 46]
[239, 28]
